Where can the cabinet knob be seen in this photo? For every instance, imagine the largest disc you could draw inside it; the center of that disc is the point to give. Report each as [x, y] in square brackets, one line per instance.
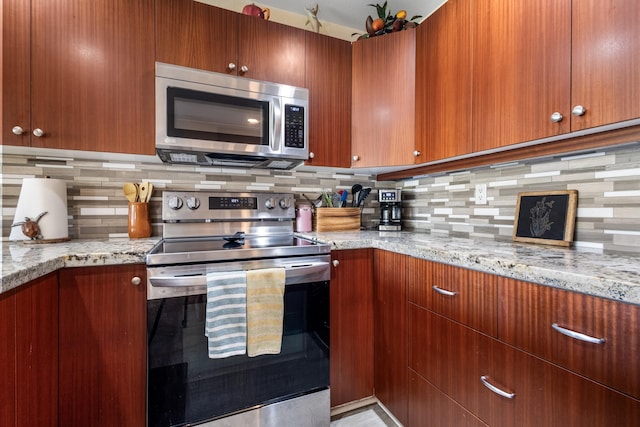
[17, 130]
[244, 69]
[556, 117]
[135, 281]
[335, 262]
[578, 110]
[416, 153]
[356, 158]
[311, 155]
[231, 66]
[38, 132]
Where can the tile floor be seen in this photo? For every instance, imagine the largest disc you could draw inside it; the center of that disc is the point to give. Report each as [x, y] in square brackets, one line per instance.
[367, 416]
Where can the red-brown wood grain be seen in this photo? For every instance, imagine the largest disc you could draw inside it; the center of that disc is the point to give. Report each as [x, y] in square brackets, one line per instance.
[37, 352]
[390, 325]
[8, 358]
[521, 69]
[102, 346]
[196, 35]
[92, 68]
[271, 51]
[328, 78]
[443, 82]
[474, 302]
[383, 100]
[605, 71]
[351, 326]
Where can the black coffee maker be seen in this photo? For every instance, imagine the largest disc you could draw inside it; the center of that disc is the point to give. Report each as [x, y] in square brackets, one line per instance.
[390, 210]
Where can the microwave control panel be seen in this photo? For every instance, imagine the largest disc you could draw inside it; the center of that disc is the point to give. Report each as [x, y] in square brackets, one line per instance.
[293, 126]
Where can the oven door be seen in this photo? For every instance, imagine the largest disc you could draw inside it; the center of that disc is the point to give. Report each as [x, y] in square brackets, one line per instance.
[186, 387]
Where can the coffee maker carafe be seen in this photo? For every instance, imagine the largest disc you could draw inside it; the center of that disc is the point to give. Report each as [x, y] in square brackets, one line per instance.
[390, 210]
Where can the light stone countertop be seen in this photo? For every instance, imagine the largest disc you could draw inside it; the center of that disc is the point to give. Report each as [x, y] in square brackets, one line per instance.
[611, 276]
[23, 262]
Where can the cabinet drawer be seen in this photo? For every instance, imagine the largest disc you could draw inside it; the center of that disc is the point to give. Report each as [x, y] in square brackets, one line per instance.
[428, 406]
[463, 295]
[518, 389]
[540, 320]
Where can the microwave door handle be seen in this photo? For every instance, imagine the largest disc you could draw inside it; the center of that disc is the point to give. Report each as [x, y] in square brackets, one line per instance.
[277, 122]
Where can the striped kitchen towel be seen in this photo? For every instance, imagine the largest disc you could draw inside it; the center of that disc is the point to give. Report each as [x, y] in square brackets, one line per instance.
[226, 318]
[265, 310]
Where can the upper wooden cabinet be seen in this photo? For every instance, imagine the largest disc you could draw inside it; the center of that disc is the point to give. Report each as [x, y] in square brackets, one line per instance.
[197, 35]
[443, 82]
[521, 70]
[605, 39]
[542, 70]
[328, 78]
[383, 100]
[79, 74]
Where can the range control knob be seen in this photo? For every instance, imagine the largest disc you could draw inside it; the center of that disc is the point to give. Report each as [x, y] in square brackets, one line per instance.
[175, 202]
[285, 203]
[193, 203]
[270, 203]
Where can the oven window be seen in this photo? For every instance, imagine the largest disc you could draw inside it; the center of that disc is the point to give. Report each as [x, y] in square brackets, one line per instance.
[202, 115]
[185, 386]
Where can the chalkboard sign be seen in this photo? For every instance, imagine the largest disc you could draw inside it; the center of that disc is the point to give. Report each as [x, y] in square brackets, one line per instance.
[546, 217]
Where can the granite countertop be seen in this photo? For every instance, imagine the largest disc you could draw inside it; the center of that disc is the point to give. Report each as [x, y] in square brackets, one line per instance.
[611, 276]
[23, 262]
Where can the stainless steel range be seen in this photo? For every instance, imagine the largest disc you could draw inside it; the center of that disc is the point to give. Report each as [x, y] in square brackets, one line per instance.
[208, 233]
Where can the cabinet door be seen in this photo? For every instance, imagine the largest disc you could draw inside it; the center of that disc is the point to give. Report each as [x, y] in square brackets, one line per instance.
[92, 75]
[383, 100]
[37, 352]
[351, 326]
[16, 72]
[196, 35]
[604, 61]
[521, 55]
[390, 322]
[102, 346]
[466, 296]
[443, 82]
[8, 358]
[328, 78]
[271, 51]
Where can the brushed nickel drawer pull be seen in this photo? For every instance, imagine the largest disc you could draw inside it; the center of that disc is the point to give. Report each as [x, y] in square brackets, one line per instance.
[485, 381]
[444, 291]
[578, 335]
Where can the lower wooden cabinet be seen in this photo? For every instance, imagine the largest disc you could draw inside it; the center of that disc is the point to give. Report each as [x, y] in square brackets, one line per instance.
[501, 385]
[29, 354]
[351, 326]
[102, 346]
[390, 355]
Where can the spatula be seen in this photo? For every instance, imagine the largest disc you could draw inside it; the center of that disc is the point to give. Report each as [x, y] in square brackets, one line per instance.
[143, 191]
[130, 192]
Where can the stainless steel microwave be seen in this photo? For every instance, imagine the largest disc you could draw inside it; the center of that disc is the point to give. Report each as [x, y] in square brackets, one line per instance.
[214, 119]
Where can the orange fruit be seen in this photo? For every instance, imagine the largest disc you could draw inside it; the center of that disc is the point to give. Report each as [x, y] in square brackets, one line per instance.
[377, 24]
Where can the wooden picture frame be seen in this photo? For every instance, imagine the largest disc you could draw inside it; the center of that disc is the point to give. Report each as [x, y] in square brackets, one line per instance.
[546, 217]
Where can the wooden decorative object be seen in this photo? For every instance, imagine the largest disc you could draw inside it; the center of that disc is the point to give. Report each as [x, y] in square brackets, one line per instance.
[337, 219]
[546, 217]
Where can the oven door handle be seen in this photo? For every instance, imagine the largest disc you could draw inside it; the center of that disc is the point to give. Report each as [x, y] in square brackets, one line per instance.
[295, 273]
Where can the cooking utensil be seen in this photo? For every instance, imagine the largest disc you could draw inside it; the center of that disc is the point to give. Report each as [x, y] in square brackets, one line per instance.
[355, 189]
[362, 195]
[343, 198]
[149, 191]
[130, 192]
[143, 191]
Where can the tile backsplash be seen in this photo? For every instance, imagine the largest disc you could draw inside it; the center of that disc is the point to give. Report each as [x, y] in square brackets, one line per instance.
[608, 182]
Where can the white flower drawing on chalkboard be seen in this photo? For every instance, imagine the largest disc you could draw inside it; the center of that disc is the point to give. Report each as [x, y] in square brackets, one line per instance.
[540, 223]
